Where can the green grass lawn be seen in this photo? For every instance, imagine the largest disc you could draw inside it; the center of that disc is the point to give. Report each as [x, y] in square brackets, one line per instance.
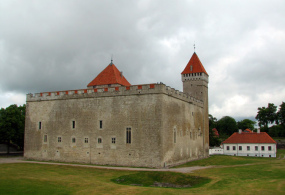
[264, 176]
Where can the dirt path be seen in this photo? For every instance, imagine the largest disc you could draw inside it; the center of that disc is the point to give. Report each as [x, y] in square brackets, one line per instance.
[180, 170]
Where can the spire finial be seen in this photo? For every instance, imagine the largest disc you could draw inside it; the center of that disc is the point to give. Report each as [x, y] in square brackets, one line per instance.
[194, 46]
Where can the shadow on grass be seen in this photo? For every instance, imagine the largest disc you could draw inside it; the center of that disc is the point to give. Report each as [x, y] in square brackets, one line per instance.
[161, 179]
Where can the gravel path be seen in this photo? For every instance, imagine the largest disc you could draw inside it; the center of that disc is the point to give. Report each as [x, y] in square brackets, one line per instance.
[180, 170]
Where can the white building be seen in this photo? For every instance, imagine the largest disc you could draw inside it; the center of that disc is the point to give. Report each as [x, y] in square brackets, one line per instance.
[250, 144]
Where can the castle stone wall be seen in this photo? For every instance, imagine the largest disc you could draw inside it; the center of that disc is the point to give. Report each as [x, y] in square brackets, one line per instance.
[59, 123]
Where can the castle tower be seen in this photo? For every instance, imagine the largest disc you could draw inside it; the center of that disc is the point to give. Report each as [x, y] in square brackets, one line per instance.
[109, 77]
[195, 83]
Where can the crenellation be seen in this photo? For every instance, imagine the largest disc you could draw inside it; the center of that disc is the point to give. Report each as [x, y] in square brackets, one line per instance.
[113, 91]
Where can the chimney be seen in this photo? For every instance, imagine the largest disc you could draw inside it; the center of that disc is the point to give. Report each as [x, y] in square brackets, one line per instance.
[121, 74]
[240, 131]
[258, 130]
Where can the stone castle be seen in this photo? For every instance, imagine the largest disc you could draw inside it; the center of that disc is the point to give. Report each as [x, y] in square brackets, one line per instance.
[112, 122]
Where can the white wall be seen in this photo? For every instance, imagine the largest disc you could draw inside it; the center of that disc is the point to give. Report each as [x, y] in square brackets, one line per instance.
[252, 151]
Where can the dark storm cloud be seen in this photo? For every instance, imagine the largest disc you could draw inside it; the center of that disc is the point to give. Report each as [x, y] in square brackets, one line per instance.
[59, 45]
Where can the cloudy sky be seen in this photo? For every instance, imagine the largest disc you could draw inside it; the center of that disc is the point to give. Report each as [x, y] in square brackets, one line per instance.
[58, 45]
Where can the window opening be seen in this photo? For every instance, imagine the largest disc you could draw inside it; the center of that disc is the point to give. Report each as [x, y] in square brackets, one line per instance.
[256, 148]
[86, 140]
[73, 124]
[228, 147]
[240, 147]
[234, 148]
[45, 138]
[113, 140]
[128, 135]
[99, 140]
[73, 140]
[262, 148]
[100, 124]
[269, 148]
[248, 148]
[40, 125]
[58, 139]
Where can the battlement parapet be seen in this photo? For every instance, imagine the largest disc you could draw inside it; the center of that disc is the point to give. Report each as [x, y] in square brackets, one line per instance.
[114, 91]
[195, 77]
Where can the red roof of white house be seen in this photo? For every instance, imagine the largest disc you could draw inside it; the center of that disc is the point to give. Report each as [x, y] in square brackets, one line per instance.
[253, 137]
[197, 66]
[110, 75]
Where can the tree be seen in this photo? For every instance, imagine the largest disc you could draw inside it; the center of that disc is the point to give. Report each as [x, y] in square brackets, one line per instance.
[266, 116]
[227, 125]
[212, 122]
[246, 124]
[214, 140]
[281, 114]
[12, 125]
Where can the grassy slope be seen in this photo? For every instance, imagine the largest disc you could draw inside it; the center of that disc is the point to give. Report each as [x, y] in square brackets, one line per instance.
[265, 178]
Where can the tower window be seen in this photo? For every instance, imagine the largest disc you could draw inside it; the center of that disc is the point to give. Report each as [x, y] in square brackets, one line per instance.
[40, 125]
[86, 140]
[73, 140]
[113, 140]
[58, 139]
[128, 135]
[99, 140]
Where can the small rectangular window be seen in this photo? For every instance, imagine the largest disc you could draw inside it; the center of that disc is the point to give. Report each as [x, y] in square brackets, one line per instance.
[73, 124]
[99, 140]
[240, 148]
[113, 140]
[128, 135]
[101, 124]
[228, 147]
[269, 148]
[256, 148]
[45, 138]
[59, 139]
[40, 125]
[73, 140]
[262, 148]
[86, 140]
[248, 148]
[234, 147]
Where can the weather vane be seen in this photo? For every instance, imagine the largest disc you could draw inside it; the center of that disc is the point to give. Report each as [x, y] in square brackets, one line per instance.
[112, 59]
[194, 46]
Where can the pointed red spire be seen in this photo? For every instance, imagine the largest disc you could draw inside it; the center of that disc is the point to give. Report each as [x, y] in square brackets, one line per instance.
[110, 75]
[194, 66]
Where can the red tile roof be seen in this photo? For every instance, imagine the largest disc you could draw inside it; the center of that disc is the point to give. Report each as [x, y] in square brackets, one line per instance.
[197, 66]
[110, 75]
[254, 137]
[216, 133]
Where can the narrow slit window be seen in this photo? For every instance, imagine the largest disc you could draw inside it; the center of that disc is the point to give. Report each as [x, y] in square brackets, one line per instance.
[73, 140]
[73, 124]
[128, 135]
[101, 124]
[40, 125]
[45, 138]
